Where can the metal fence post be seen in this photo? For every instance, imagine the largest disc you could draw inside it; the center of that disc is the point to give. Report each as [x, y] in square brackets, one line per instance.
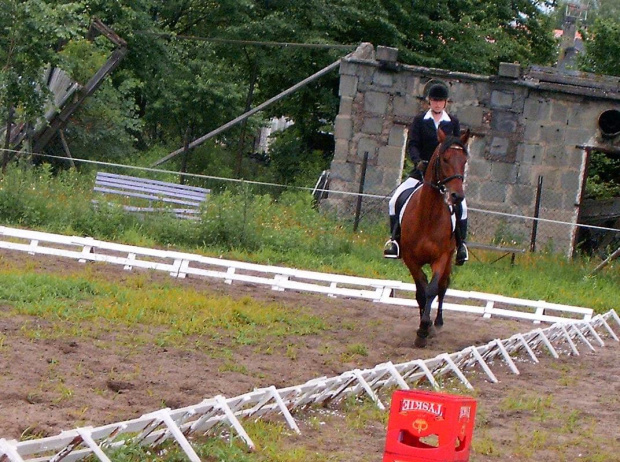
[358, 206]
[536, 214]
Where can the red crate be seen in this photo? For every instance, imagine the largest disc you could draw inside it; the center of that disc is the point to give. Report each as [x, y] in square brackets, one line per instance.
[429, 426]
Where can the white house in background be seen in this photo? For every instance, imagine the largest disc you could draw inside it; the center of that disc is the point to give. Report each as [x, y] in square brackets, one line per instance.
[275, 125]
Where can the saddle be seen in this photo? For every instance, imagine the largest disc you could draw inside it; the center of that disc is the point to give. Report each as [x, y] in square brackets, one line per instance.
[404, 198]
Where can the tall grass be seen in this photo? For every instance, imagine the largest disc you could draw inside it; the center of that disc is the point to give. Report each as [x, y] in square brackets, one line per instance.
[287, 230]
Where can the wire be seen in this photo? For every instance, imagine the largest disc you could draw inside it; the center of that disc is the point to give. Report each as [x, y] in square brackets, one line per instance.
[250, 42]
[194, 175]
[301, 188]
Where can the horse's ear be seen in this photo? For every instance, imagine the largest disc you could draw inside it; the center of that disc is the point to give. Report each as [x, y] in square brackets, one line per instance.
[441, 136]
[465, 136]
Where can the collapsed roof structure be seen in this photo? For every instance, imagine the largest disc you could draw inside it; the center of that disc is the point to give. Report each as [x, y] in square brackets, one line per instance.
[67, 97]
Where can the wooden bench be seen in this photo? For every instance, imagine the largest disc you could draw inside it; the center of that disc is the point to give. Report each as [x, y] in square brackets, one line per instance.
[160, 196]
[505, 250]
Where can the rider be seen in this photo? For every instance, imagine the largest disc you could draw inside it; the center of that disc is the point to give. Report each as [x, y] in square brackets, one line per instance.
[422, 143]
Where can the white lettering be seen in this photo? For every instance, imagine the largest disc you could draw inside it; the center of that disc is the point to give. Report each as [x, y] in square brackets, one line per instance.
[409, 405]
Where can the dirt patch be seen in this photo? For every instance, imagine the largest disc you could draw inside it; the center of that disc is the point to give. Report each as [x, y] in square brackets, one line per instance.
[57, 376]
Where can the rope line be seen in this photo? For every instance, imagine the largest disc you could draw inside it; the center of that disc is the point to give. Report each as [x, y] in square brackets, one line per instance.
[301, 188]
[250, 42]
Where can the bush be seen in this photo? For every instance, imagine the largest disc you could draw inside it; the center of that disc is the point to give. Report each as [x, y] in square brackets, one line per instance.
[34, 197]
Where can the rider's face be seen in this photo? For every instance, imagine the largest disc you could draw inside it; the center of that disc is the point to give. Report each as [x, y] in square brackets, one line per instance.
[437, 105]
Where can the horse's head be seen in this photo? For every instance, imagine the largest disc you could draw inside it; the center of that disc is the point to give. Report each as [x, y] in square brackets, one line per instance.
[446, 167]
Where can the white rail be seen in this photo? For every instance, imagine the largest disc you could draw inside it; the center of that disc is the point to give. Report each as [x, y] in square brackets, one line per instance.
[205, 418]
[179, 264]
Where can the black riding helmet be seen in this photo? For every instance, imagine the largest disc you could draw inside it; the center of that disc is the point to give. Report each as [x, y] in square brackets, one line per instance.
[438, 92]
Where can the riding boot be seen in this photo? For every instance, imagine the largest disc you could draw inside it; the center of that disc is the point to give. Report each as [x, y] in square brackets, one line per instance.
[462, 255]
[392, 246]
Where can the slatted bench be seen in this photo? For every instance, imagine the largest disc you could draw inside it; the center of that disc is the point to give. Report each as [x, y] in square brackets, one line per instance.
[159, 195]
[505, 250]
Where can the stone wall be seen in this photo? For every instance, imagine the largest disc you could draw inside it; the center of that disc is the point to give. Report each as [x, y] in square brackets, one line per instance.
[529, 126]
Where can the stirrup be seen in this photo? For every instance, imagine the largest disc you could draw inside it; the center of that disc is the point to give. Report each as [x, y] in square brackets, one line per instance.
[391, 249]
[462, 254]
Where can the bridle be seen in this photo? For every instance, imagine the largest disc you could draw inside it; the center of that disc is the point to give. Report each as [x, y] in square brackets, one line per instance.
[438, 182]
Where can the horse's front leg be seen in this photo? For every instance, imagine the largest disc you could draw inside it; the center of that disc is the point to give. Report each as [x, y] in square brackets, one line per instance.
[420, 293]
[425, 319]
[443, 288]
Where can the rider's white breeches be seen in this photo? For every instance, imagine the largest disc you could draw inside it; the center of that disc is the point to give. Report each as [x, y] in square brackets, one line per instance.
[411, 183]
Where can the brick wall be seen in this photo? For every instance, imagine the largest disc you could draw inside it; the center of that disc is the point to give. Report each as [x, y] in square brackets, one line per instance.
[528, 125]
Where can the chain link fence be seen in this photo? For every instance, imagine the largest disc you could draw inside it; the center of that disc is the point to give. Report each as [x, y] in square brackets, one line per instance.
[550, 225]
[546, 227]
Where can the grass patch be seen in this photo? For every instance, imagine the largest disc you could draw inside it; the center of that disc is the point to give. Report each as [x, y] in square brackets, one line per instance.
[248, 226]
[181, 312]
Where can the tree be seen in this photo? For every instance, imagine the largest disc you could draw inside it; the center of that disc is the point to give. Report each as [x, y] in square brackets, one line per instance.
[602, 9]
[32, 33]
[171, 86]
[602, 42]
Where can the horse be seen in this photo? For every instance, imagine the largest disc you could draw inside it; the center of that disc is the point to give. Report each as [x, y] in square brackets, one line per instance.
[427, 237]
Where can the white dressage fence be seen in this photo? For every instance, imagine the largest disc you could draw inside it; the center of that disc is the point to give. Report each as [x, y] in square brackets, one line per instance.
[179, 264]
[572, 326]
[207, 417]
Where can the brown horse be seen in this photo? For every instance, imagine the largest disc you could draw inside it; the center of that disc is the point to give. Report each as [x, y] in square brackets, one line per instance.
[427, 237]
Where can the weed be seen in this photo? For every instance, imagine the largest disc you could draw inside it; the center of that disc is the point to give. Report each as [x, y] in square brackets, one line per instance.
[571, 422]
[356, 349]
[363, 412]
[64, 393]
[251, 226]
[523, 402]
[484, 444]
[291, 351]
[233, 367]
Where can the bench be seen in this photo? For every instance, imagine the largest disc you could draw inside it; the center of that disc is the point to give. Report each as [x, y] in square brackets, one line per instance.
[505, 250]
[161, 196]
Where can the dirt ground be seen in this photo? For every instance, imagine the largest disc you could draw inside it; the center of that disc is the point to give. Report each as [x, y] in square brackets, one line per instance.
[561, 409]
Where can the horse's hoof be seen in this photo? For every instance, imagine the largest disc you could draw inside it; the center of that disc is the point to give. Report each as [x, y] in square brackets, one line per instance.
[438, 327]
[420, 342]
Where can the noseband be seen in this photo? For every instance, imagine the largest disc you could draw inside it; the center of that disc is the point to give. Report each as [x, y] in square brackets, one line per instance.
[438, 182]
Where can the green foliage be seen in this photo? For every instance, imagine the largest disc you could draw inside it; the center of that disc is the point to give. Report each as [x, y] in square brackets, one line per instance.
[34, 197]
[602, 43]
[286, 231]
[107, 123]
[195, 92]
[601, 9]
[104, 127]
[31, 33]
[33, 289]
[169, 90]
[257, 223]
[473, 36]
[603, 174]
[82, 58]
[292, 161]
[543, 277]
